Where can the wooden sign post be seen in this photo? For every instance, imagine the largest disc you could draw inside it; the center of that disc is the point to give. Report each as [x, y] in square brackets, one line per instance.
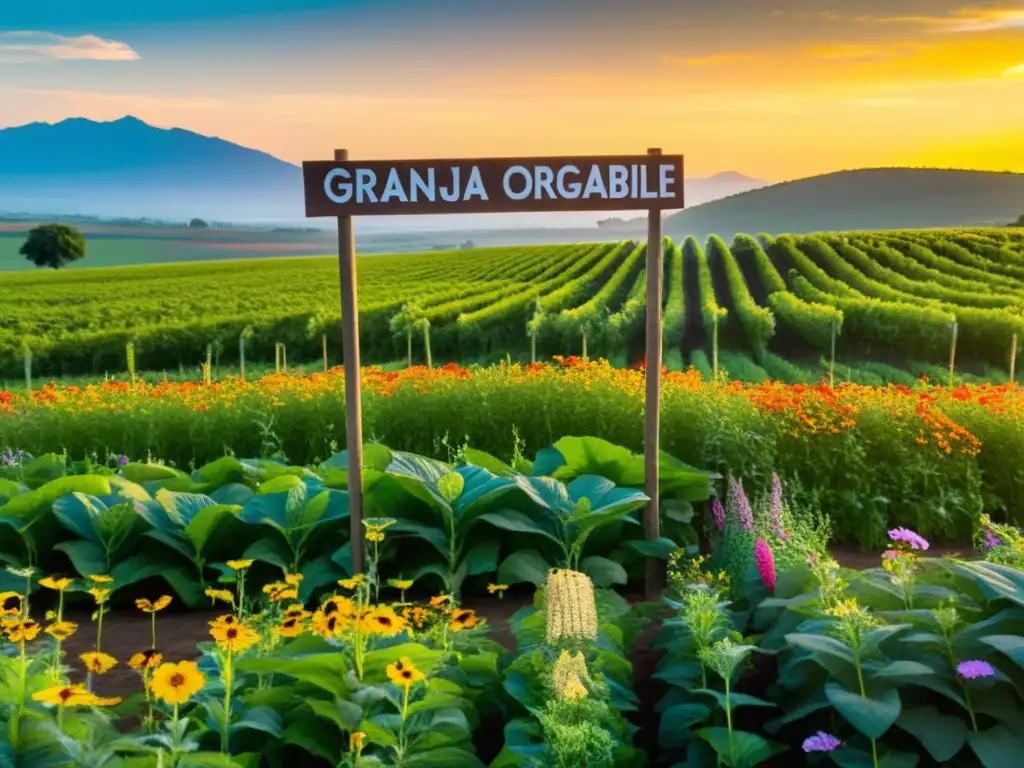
[343, 188]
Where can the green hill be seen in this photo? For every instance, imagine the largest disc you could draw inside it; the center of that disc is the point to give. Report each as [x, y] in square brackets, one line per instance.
[874, 198]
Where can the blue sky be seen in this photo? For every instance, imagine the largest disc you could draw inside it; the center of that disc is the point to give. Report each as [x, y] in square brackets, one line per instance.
[773, 88]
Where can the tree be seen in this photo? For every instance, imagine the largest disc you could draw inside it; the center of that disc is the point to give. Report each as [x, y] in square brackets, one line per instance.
[53, 245]
[198, 224]
[1020, 221]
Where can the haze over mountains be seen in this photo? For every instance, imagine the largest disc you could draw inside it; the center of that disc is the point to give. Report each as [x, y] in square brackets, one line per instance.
[128, 168]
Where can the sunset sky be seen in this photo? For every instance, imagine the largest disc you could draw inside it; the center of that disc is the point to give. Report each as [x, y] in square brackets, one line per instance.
[776, 89]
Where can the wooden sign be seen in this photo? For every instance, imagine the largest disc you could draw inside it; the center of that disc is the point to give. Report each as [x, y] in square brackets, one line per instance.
[344, 188]
[493, 185]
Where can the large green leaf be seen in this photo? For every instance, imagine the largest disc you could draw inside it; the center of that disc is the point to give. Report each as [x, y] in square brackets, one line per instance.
[743, 750]
[43, 469]
[573, 456]
[8, 490]
[487, 461]
[25, 508]
[997, 747]
[872, 716]
[524, 565]
[107, 521]
[1011, 645]
[147, 473]
[443, 757]
[519, 522]
[376, 662]
[677, 723]
[226, 469]
[295, 513]
[603, 572]
[87, 557]
[327, 671]
[942, 735]
[205, 523]
[607, 501]
[181, 508]
[821, 644]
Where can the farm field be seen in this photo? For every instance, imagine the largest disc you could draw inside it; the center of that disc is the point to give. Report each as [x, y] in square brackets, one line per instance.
[844, 571]
[774, 305]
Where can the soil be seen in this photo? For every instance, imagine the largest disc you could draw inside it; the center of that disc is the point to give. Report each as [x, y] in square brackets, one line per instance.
[126, 632]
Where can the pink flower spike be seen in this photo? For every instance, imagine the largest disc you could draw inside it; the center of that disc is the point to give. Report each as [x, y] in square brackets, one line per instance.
[765, 561]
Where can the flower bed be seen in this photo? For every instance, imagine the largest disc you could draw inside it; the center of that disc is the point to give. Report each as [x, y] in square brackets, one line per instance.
[928, 457]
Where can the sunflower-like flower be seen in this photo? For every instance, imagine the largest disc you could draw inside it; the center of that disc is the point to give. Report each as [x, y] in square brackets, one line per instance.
[497, 588]
[297, 611]
[56, 583]
[404, 673]
[402, 584]
[177, 683]
[61, 630]
[351, 583]
[291, 627]
[235, 638]
[239, 565]
[293, 579]
[441, 602]
[226, 620]
[97, 578]
[416, 615]
[97, 662]
[148, 659]
[383, 621]
[11, 603]
[99, 594]
[146, 606]
[223, 595]
[330, 625]
[22, 630]
[463, 618]
[280, 590]
[72, 696]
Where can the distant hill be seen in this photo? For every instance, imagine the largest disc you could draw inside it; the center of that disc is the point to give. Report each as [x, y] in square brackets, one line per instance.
[129, 168]
[695, 192]
[874, 198]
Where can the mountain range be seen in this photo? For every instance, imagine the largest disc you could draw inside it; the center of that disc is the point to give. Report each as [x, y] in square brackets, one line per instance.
[128, 168]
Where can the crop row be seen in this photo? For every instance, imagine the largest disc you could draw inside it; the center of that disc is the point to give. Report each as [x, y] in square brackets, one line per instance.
[875, 296]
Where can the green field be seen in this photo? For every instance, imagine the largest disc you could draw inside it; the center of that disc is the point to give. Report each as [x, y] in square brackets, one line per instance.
[890, 298]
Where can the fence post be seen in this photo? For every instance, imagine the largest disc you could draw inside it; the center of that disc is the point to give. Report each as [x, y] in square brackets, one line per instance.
[1013, 359]
[832, 360]
[952, 352]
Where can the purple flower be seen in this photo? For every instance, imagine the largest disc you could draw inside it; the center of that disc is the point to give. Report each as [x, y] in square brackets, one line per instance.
[908, 536]
[742, 503]
[776, 505]
[991, 540]
[765, 563]
[821, 742]
[972, 670]
[718, 513]
[122, 460]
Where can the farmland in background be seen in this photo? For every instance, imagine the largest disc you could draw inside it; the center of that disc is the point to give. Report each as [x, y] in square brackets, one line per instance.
[888, 300]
